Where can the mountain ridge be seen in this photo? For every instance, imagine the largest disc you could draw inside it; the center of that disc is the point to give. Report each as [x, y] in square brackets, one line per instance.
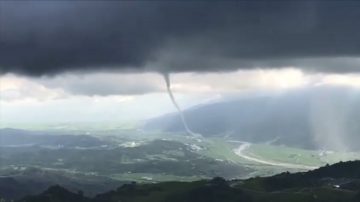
[323, 119]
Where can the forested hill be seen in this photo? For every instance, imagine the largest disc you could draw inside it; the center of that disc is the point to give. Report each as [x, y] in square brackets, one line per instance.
[338, 182]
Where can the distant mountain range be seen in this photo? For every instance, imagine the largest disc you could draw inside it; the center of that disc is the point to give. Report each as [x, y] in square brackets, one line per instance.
[318, 118]
[15, 138]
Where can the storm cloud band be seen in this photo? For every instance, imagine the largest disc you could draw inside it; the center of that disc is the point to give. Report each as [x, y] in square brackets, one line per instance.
[49, 37]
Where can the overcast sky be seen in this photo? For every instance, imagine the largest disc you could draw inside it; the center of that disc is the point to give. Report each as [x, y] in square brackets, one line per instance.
[92, 60]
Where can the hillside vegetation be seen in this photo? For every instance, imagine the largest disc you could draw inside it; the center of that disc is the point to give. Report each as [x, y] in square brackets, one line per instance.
[335, 183]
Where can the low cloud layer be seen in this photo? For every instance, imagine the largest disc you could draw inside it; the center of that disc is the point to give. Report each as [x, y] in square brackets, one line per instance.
[104, 84]
[49, 37]
[15, 88]
[115, 97]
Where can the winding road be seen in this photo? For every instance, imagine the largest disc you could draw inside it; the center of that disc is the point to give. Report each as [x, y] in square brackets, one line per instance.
[245, 145]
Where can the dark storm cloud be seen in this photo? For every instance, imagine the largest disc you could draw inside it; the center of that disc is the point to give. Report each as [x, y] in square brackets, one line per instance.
[47, 37]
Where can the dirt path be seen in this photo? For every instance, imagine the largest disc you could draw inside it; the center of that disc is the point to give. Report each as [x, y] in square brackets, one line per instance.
[245, 145]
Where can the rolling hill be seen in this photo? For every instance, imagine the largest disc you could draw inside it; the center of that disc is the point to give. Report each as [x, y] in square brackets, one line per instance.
[335, 183]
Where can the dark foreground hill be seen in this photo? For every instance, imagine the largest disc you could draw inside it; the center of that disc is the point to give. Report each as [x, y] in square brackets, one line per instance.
[32, 181]
[336, 183]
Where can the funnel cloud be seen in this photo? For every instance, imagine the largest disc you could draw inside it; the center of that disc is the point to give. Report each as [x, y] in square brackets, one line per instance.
[173, 100]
